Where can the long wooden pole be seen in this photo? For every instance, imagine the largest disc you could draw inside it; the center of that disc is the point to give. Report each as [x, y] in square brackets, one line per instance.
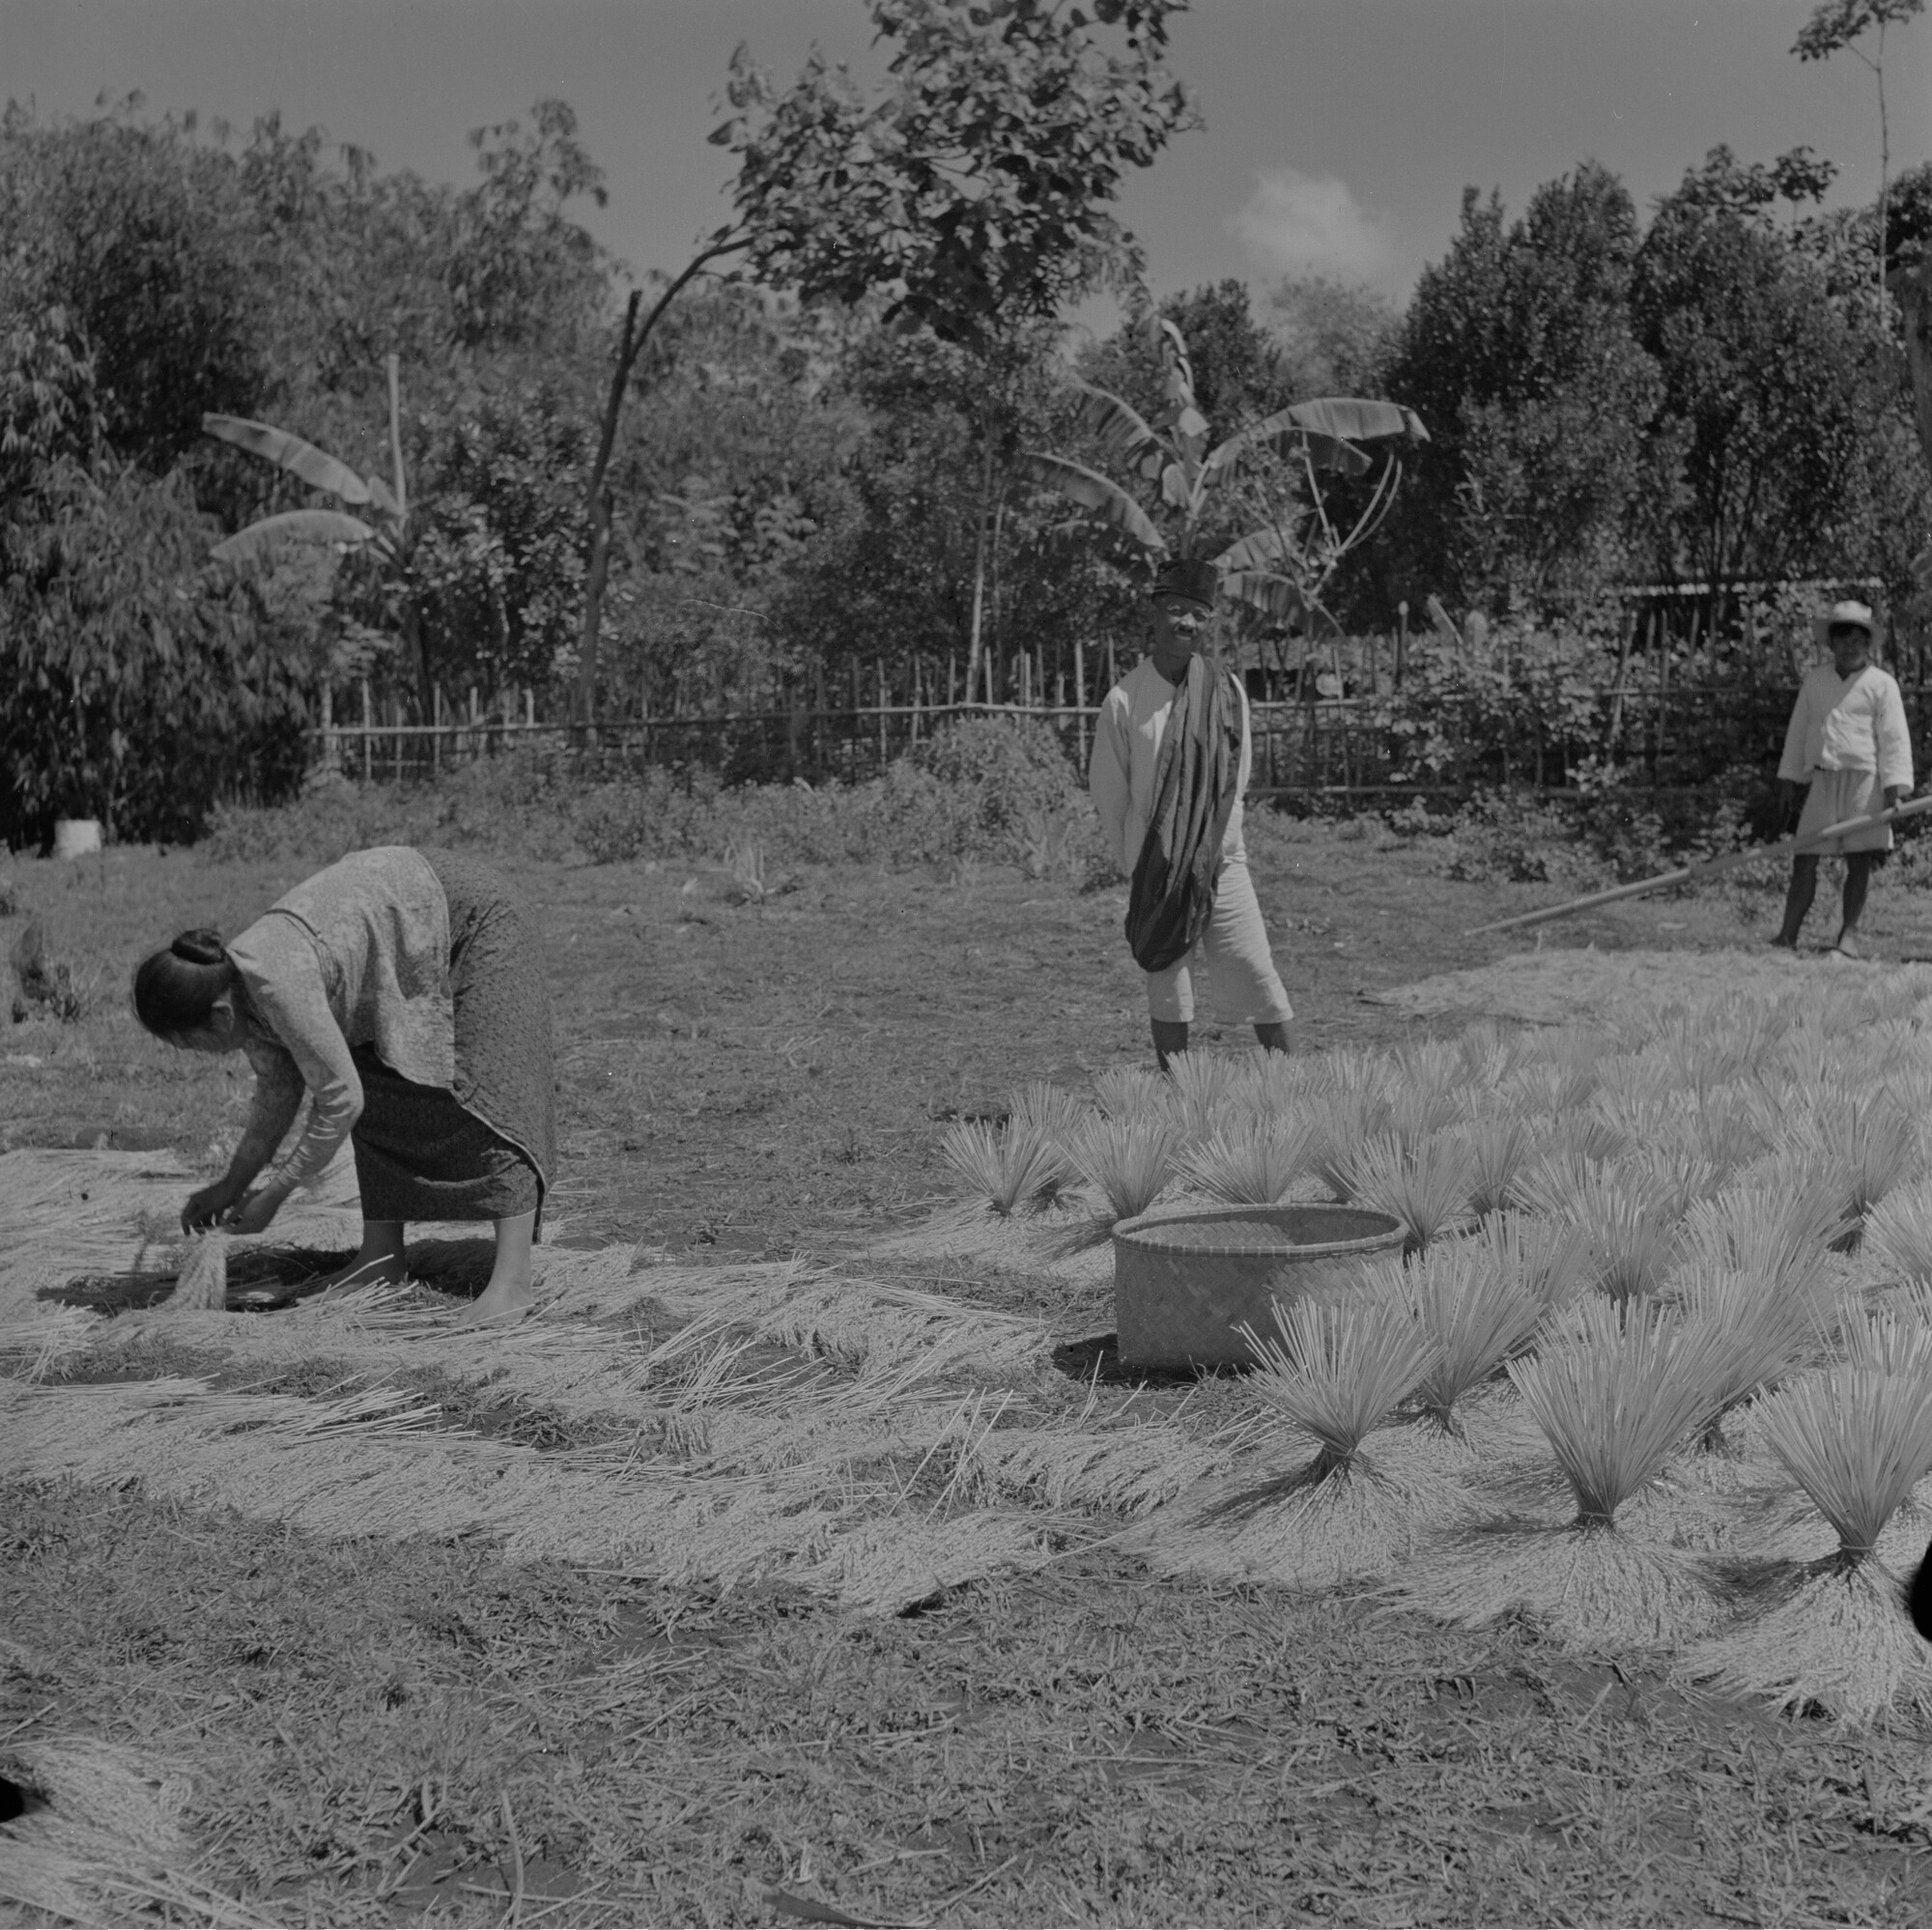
[1710, 868]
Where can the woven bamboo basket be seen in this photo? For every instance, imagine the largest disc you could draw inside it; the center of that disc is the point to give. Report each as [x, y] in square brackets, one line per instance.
[1186, 1278]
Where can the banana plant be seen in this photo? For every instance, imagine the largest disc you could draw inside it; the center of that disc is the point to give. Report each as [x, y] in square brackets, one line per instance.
[328, 528]
[331, 528]
[1281, 566]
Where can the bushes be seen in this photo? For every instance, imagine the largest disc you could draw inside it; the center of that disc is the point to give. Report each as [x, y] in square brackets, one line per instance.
[980, 789]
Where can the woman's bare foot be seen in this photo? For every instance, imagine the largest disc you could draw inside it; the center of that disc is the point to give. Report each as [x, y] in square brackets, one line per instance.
[498, 1305]
[378, 1263]
[509, 1295]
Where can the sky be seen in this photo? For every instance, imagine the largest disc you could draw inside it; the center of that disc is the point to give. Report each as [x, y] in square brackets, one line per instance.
[1339, 134]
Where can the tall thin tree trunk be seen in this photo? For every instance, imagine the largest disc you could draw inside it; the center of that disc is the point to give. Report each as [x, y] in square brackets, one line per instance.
[974, 646]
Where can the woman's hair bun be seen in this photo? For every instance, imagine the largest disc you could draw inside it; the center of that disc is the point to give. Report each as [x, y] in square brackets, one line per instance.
[200, 947]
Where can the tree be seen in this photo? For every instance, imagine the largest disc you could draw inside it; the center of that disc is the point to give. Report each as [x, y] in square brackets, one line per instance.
[1280, 567]
[1838, 25]
[975, 190]
[1517, 350]
[1777, 387]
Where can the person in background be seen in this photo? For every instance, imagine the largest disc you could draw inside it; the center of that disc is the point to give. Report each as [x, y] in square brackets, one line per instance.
[1847, 740]
[399, 990]
[1171, 758]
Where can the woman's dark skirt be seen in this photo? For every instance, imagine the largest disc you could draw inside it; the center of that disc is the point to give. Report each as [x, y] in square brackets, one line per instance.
[486, 1150]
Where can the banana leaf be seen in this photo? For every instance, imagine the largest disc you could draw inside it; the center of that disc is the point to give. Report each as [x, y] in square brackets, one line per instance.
[1273, 595]
[315, 467]
[1111, 503]
[1122, 430]
[323, 527]
[1256, 550]
[1328, 427]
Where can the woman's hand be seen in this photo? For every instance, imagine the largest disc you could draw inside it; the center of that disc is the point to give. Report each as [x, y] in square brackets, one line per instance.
[209, 1206]
[259, 1210]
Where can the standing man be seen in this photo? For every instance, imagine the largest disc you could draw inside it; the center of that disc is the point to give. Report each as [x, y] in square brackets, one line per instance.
[1171, 760]
[1849, 741]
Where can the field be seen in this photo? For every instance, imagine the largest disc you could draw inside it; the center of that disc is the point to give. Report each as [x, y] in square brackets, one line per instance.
[400, 1727]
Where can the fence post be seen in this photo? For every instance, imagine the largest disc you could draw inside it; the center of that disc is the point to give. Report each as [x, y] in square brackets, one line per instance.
[879, 667]
[1080, 699]
[367, 725]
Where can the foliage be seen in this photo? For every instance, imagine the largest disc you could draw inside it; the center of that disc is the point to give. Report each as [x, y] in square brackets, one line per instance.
[1778, 383]
[976, 188]
[1280, 567]
[1517, 351]
[140, 692]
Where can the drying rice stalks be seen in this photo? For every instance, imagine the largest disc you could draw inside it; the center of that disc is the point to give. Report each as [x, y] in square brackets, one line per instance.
[1252, 1166]
[1486, 1056]
[1342, 1120]
[1417, 1114]
[110, 1841]
[1840, 1640]
[1866, 1148]
[1049, 1108]
[1132, 1095]
[1898, 1235]
[1769, 1233]
[1203, 1082]
[1614, 1394]
[1857, 1439]
[1426, 1187]
[1551, 1259]
[1127, 1164]
[1771, 1322]
[1631, 1234]
[202, 1285]
[1012, 1168]
[1476, 1313]
[1499, 1150]
[1338, 1370]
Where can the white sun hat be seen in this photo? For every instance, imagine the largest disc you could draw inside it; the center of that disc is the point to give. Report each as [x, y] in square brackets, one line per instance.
[1859, 614]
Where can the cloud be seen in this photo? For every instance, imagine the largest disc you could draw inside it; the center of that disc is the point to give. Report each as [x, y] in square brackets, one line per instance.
[1297, 223]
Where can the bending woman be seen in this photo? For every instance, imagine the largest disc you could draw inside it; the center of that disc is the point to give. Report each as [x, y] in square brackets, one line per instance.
[399, 989]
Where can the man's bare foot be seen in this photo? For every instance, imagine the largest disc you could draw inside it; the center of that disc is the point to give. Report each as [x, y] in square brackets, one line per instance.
[499, 1305]
[1848, 947]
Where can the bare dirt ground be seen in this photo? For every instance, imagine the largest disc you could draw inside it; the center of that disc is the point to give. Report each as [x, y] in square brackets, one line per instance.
[1089, 1743]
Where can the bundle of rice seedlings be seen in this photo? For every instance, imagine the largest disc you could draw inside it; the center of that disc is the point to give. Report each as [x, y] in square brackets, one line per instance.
[1619, 1390]
[1774, 1322]
[1250, 1166]
[1857, 1439]
[1579, 1139]
[1631, 1232]
[1640, 1078]
[1341, 1122]
[1552, 1260]
[1278, 1082]
[1730, 1130]
[1011, 1168]
[202, 1286]
[1425, 1187]
[1353, 1070]
[1499, 1149]
[1202, 1082]
[1486, 1055]
[1127, 1163]
[1051, 1108]
[1865, 1147]
[1766, 1233]
[1477, 1313]
[1415, 1111]
[1676, 1175]
[1132, 1094]
[1898, 1235]
[1429, 1065]
[1336, 1370]
[1612, 1396]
